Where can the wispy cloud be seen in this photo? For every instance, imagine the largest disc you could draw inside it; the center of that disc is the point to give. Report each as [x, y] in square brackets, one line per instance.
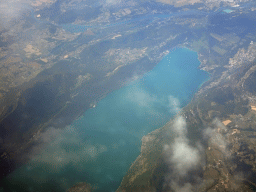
[113, 1]
[216, 137]
[182, 158]
[174, 104]
[60, 147]
[186, 161]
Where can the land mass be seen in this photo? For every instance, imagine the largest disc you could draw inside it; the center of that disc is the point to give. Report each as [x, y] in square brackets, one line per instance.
[60, 58]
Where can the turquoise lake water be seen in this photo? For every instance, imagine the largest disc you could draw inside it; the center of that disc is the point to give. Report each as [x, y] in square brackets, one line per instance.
[100, 146]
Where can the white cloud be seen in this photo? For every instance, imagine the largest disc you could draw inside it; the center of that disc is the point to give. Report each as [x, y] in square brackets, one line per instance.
[180, 127]
[187, 187]
[219, 124]
[184, 157]
[174, 104]
[138, 95]
[113, 2]
[216, 137]
[60, 147]
[181, 157]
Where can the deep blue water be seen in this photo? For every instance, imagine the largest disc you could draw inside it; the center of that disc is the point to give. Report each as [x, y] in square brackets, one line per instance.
[100, 146]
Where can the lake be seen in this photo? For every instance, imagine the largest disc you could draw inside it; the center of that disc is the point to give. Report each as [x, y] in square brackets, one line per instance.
[101, 145]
